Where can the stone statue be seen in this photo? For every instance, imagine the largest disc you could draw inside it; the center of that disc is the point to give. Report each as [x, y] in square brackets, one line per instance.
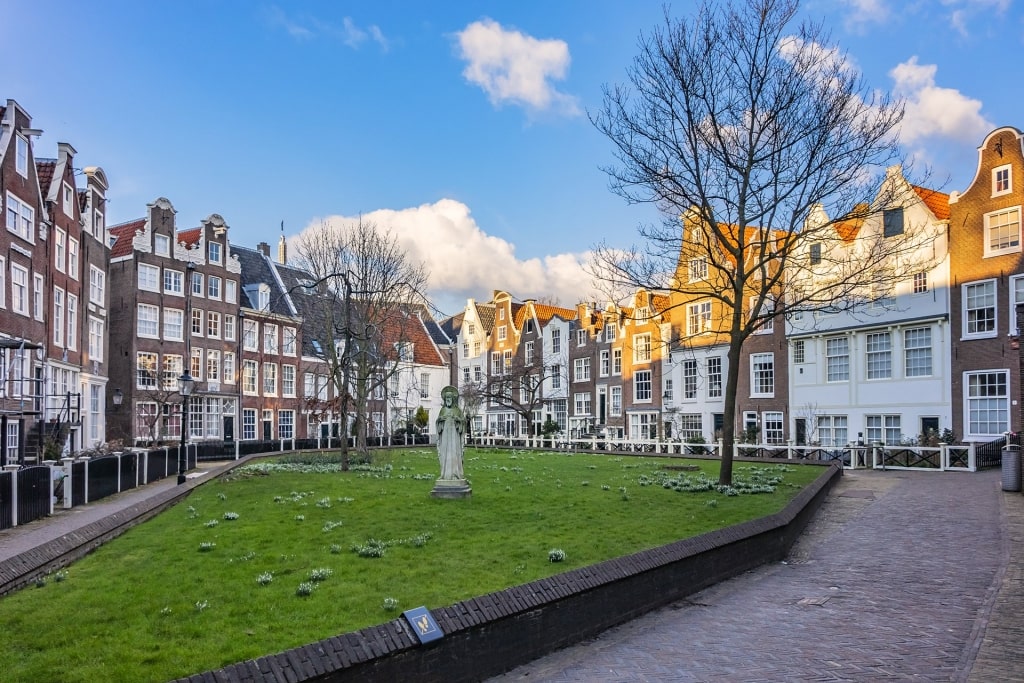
[451, 424]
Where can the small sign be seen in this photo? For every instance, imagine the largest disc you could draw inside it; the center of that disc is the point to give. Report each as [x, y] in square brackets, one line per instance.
[423, 624]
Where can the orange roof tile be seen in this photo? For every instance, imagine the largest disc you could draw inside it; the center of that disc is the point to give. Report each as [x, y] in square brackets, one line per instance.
[190, 238]
[545, 313]
[937, 202]
[123, 234]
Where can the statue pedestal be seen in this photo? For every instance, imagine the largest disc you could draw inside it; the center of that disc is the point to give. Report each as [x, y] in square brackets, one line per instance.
[451, 488]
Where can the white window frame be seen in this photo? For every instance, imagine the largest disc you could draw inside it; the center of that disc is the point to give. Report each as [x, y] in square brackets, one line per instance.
[643, 386]
[996, 190]
[643, 351]
[690, 379]
[834, 355]
[758, 370]
[615, 401]
[19, 289]
[213, 287]
[149, 277]
[149, 320]
[73, 258]
[698, 318]
[96, 339]
[21, 155]
[998, 403]
[214, 250]
[878, 355]
[97, 285]
[966, 289]
[72, 314]
[174, 282]
[21, 218]
[289, 343]
[1016, 297]
[581, 370]
[58, 317]
[38, 295]
[917, 346]
[231, 291]
[161, 245]
[1013, 246]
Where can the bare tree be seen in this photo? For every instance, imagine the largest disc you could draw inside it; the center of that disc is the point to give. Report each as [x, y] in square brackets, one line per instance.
[756, 140]
[364, 287]
[520, 388]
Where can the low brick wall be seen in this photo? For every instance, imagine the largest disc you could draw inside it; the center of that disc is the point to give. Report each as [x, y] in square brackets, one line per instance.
[491, 634]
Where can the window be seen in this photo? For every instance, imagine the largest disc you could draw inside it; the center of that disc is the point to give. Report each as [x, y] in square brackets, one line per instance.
[465, 374]
[173, 281]
[762, 374]
[581, 370]
[250, 331]
[229, 367]
[988, 403]
[19, 289]
[773, 428]
[162, 245]
[148, 324]
[616, 361]
[97, 285]
[213, 325]
[288, 380]
[698, 318]
[289, 345]
[248, 424]
[605, 363]
[689, 379]
[21, 156]
[72, 322]
[918, 352]
[95, 339]
[58, 316]
[197, 284]
[581, 337]
[60, 246]
[249, 376]
[815, 253]
[508, 362]
[799, 351]
[214, 251]
[767, 324]
[149, 277]
[270, 379]
[529, 353]
[832, 430]
[643, 426]
[286, 424]
[21, 218]
[883, 429]
[465, 350]
[173, 323]
[878, 350]
[393, 385]
[73, 258]
[3, 283]
[1002, 232]
[980, 309]
[615, 395]
[37, 295]
[229, 327]
[892, 222]
[405, 351]
[196, 365]
[556, 341]
[698, 269]
[231, 291]
[556, 377]
[424, 385]
[1002, 180]
[920, 283]
[68, 200]
[172, 369]
[269, 338]
[308, 385]
[212, 365]
[213, 287]
[611, 331]
[13, 441]
[641, 348]
[198, 316]
[642, 387]
[477, 349]
[502, 333]
[582, 404]
[495, 363]
[715, 377]
[263, 298]
[145, 370]
[837, 359]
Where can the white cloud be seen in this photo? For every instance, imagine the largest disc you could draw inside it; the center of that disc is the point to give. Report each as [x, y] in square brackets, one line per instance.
[935, 111]
[306, 27]
[516, 68]
[964, 10]
[864, 12]
[463, 261]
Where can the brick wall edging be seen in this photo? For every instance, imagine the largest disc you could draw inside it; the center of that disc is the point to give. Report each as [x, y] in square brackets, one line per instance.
[490, 634]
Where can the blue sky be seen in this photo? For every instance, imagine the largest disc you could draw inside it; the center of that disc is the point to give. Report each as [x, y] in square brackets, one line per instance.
[462, 127]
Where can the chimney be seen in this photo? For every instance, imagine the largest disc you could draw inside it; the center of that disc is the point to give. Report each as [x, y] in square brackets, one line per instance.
[282, 251]
[263, 248]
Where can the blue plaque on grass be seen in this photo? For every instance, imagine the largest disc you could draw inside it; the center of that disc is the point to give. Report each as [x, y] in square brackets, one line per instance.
[423, 624]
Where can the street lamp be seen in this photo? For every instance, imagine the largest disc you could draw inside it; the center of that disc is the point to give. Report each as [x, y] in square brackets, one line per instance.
[118, 397]
[185, 386]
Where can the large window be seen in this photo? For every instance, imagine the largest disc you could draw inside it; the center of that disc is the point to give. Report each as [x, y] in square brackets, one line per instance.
[270, 379]
[173, 281]
[556, 341]
[19, 289]
[21, 218]
[21, 156]
[288, 380]
[698, 318]
[229, 367]
[289, 346]
[762, 374]
[60, 249]
[689, 379]
[892, 222]
[97, 285]
[145, 370]
[212, 365]
[250, 330]
[581, 370]
[149, 277]
[917, 351]
[148, 322]
[1016, 297]
[832, 430]
[606, 363]
[715, 377]
[690, 426]
[878, 348]
[249, 372]
[58, 316]
[269, 338]
[641, 348]
[248, 424]
[642, 388]
[215, 252]
[837, 359]
[171, 372]
[582, 401]
[213, 287]
[883, 429]
[988, 403]
[95, 339]
[1002, 232]
[616, 361]
[980, 309]
[615, 399]
[173, 321]
[213, 325]
[286, 424]
[38, 287]
[773, 428]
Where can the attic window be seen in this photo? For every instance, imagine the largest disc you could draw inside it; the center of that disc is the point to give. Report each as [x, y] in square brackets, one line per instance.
[816, 253]
[215, 252]
[1002, 180]
[892, 222]
[21, 157]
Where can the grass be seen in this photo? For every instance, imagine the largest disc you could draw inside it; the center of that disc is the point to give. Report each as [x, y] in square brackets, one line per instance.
[298, 553]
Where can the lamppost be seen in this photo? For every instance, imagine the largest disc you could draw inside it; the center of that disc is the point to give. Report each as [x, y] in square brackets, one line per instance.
[185, 386]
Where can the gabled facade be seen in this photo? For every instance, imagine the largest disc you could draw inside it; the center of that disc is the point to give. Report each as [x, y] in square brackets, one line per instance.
[988, 283]
[879, 372]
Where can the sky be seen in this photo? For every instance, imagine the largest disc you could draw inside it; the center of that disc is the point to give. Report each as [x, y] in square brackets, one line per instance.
[462, 128]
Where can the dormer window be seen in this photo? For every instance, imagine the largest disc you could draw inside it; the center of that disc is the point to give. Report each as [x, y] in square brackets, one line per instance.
[215, 252]
[1002, 180]
[263, 303]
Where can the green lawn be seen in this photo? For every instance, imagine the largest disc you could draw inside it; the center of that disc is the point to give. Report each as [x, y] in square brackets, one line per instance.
[160, 602]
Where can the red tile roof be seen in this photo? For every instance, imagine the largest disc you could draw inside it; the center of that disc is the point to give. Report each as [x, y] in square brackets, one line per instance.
[45, 169]
[545, 313]
[190, 238]
[124, 233]
[937, 202]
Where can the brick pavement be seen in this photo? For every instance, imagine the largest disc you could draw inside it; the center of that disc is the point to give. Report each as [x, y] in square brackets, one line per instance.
[903, 575]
